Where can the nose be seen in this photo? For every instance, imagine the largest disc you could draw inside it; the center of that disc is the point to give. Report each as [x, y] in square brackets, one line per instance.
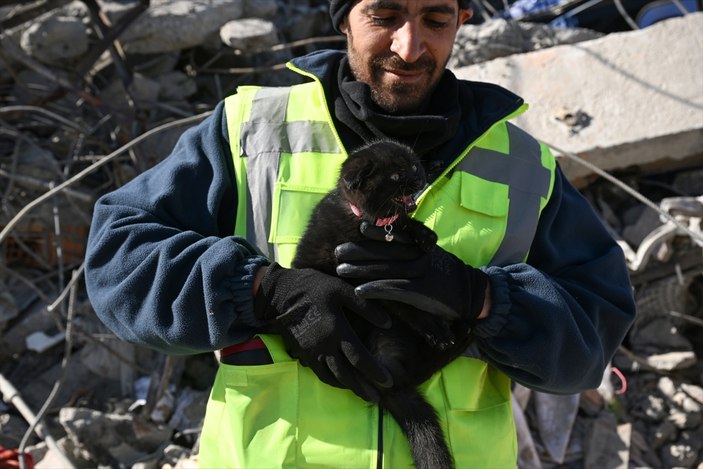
[408, 42]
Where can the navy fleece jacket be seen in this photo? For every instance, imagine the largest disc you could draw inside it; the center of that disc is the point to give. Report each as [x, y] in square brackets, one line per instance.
[163, 269]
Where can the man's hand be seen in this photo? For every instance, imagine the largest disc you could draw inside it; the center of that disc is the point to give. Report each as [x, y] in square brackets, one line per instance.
[436, 282]
[375, 258]
[307, 308]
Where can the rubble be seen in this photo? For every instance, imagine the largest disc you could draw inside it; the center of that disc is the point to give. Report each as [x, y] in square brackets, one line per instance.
[81, 114]
[618, 101]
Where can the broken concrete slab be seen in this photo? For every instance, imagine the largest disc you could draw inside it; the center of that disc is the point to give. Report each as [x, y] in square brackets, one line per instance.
[173, 25]
[624, 99]
[499, 37]
[249, 34]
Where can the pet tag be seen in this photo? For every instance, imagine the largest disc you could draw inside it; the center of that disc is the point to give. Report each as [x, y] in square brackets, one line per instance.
[389, 235]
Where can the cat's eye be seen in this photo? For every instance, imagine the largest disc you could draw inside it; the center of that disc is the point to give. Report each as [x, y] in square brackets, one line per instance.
[414, 168]
[395, 177]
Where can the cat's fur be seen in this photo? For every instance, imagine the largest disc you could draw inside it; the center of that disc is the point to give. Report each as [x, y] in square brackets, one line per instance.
[380, 179]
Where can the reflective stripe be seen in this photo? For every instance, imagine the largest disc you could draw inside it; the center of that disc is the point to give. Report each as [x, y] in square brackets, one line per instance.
[268, 105]
[262, 140]
[528, 182]
[269, 132]
[262, 172]
[287, 137]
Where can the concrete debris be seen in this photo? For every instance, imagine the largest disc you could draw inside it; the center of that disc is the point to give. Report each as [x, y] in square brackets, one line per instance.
[500, 38]
[41, 342]
[250, 34]
[79, 79]
[645, 103]
[555, 418]
[55, 39]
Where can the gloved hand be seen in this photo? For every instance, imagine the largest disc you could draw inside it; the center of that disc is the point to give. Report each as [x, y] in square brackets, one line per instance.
[436, 282]
[375, 258]
[307, 308]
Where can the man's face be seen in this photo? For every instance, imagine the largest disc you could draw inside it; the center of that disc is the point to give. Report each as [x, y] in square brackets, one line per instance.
[401, 47]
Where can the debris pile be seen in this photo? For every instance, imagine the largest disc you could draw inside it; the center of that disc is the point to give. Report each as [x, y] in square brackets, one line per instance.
[95, 92]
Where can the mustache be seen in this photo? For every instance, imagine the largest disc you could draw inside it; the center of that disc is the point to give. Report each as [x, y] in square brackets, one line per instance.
[393, 61]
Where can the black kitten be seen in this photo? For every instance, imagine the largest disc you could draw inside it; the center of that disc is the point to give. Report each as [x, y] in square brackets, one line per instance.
[377, 184]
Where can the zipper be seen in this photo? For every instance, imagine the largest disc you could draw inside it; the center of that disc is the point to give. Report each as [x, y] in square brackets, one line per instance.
[379, 452]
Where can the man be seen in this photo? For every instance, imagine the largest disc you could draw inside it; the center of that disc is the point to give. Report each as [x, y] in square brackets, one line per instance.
[193, 255]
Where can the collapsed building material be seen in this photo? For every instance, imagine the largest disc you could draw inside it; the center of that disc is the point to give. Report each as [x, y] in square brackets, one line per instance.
[618, 101]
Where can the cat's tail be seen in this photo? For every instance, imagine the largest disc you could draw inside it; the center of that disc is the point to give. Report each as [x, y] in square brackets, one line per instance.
[418, 420]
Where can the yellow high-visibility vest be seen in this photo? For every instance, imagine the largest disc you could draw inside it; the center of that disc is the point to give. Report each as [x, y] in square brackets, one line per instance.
[484, 208]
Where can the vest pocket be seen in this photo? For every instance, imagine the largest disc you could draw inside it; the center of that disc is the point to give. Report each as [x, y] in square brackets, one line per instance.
[479, 421]
[247, 413]
[469, 214]
[291, 209]
[282, 416]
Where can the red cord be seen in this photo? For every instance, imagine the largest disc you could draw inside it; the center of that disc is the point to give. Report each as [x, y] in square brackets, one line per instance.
[623, 381]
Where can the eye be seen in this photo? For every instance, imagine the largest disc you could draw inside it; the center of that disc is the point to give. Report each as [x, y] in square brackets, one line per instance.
[382, 20]
[395, 177]
[414, 168]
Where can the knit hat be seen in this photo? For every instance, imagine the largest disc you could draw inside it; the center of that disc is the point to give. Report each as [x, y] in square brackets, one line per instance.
[339, 9]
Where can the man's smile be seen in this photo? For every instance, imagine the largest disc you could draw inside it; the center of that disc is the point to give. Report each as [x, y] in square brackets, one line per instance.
[405, 76]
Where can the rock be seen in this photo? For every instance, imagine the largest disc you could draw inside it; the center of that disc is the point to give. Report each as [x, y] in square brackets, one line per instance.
[693, 437]
[672, 361]
[657, 336]
[642, 453]
[33, 319]
[260, 9]
[174, 454]
[685, 403]
[666, 431]
[189, 411]
[249, 35]
[685, 420]
[170, 25]
[176, 86]
[302, 23]
[112, 438]
[667, 387]
[551, 79]
[678, 455]
[607, 444]
[656, 409]
[143, 90]
[55, 39]
[693, 391]
[40, 341]
[500, 38]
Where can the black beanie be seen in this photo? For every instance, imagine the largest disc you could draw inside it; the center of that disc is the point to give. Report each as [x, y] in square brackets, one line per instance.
[339, 9]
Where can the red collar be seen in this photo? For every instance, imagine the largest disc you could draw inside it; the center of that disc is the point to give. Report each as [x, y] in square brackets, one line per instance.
[379, 221]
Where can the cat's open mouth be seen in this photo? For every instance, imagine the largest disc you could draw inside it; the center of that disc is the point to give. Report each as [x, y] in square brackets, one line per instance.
[407, 201]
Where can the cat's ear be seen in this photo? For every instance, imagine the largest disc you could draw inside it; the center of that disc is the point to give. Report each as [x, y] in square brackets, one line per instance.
[354, 178]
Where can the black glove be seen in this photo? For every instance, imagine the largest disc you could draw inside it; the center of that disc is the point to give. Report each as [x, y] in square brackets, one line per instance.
[436, 282]
[306, 307]
[375, 258]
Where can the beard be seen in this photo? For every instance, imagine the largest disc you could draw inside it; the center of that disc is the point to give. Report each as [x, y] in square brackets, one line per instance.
[395, 97]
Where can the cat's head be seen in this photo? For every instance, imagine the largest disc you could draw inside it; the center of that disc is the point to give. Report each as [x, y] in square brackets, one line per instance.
[381, 179]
